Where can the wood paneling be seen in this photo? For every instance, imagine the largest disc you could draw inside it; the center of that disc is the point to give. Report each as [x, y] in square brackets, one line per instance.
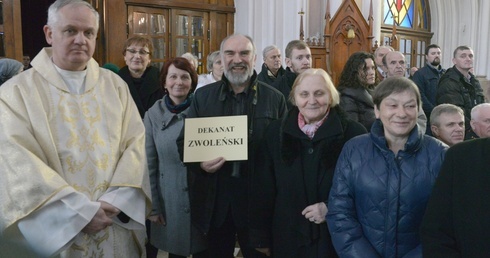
[338, 46]
[221, 22]
[113, 30]
[201, 5]
[12, 28]
[318, 57]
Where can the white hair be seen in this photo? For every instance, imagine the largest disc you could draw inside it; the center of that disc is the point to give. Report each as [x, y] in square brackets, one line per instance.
[53, 15]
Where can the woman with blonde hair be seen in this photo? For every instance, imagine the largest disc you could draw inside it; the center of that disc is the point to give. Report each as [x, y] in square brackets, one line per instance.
[295, 171]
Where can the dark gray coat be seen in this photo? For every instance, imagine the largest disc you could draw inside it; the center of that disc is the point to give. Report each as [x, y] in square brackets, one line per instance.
[168, 178]
[359, 105]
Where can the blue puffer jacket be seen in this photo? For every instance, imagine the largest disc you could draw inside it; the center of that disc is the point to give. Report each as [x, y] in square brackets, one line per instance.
[377, 200]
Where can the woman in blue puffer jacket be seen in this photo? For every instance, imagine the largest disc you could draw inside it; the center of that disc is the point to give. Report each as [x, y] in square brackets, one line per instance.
[383, 180]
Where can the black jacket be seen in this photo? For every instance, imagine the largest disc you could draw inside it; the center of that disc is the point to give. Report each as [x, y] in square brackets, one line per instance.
[456, 221]
[427, 79]
[150, 90]
[453, 88]
[359, 106]
[284, 85]
[267, 78]
[211, 195]
[294, 172]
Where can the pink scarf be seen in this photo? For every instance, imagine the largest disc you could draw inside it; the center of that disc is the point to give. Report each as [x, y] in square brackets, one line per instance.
[310, 129]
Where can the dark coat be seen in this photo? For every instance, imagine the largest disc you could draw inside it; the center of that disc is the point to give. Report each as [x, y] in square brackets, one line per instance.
[377, 199]
[455, 89]
[292, 173]
[427, 79]
[150, 90]
[211, 195]
[284, 85]
[266, 76]
[359, 106]
[456, 223]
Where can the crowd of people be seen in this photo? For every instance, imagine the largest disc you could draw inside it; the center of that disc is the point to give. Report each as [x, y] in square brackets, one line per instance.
[375, 166]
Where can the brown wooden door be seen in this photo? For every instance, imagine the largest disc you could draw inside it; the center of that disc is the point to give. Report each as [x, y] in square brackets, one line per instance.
[153, 23]
[190, 34]
[10, 30]
[412, 46]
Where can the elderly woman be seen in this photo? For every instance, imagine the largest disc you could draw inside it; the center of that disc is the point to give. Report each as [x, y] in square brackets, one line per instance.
[356, 85]
[295, 171]
[171, 228]
[142, 79]
[215, 69]
[383, 179]
[9, 68]
[192, 59]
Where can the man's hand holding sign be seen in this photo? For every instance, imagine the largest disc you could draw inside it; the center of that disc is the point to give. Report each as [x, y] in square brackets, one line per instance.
[214, 140]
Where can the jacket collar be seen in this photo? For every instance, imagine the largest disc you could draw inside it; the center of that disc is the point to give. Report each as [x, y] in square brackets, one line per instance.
[413, 143]
[43, 64]
[225, 87]
[457, 75]
[291, 135]
[160, 114]
[439, 70]
[269, 73]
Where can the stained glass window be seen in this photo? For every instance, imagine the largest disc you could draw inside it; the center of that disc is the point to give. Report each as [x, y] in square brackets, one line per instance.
[406, 13]
[423, 19]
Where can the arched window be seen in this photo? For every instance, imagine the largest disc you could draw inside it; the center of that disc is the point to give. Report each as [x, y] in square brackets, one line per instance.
[412, 21]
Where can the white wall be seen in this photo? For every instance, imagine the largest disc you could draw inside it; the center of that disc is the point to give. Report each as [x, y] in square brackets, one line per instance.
[268, 22]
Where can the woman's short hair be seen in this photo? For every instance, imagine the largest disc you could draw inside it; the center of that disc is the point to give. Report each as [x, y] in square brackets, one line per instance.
[392, 85]
[182, 64]
[334, 94]
[138, 40]
[210, 60]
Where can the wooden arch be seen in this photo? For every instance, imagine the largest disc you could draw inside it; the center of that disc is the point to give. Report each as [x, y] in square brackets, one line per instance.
[338, 46]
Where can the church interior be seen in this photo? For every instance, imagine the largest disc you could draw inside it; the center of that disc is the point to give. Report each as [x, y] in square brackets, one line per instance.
[333, 29]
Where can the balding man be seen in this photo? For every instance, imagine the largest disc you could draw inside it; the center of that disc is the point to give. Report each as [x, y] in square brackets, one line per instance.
[480, 121]
[379, 53]
[394, 62]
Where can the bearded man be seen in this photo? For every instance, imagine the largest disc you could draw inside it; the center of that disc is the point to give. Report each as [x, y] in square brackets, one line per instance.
[219, 189]
[428, 77]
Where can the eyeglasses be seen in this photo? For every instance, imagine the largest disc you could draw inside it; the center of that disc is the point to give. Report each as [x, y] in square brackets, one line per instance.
[142, 52]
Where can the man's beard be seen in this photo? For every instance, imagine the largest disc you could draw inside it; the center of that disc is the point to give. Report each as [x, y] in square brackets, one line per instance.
[237, 78]
[436, 62]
